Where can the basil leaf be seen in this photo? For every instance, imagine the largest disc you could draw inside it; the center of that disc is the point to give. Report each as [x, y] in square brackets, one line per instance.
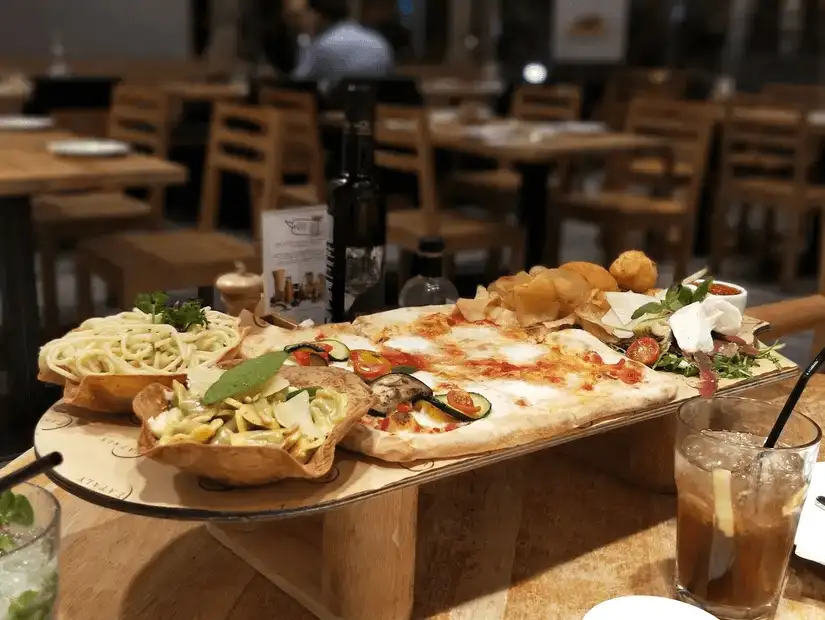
[702, 290]
[672, 294]
[654, 307]
[245, 376]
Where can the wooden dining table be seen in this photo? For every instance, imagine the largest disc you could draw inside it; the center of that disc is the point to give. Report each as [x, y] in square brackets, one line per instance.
[27, 169]
[541, 536]
[534, 148]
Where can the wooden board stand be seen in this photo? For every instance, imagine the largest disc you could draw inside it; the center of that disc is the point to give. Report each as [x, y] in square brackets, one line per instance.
[350, 563]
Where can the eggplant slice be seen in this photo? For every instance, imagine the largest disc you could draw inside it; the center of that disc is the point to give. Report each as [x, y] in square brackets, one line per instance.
[395, 388]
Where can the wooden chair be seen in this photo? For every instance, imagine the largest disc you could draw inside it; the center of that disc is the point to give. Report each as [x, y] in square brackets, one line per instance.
[243, 140]
[304, 154]
[530, 103]
[767, 154]
[403, 144]
[809, 95]
[627, 84]
[139, 116]
[688, 127]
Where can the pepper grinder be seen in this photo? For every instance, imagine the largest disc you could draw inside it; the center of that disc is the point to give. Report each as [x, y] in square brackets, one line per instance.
[240, 290]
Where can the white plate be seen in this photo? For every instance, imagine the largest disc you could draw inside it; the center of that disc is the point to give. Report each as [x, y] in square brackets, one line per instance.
[25, 123]
[645, 608]
[89, 148]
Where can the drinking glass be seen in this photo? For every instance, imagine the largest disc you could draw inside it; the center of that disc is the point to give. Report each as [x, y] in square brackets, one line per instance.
[28, 556]
[738, 503]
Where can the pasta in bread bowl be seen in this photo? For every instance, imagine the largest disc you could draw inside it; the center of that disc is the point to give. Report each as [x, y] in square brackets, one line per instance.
[106, 361]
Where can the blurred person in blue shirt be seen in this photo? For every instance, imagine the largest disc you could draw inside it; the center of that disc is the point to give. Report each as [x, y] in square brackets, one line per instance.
[341, 48]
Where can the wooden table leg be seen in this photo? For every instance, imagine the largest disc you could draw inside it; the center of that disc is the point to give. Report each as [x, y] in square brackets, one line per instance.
[369, 557]
[352, 563]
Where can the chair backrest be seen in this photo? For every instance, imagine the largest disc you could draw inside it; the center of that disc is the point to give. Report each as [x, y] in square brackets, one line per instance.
[304, 152]
[688, 127]
[624, 85]
[403, 144]
[810, 95]
[248, 141]
[547, 103]
[763, 139]
[140, 115]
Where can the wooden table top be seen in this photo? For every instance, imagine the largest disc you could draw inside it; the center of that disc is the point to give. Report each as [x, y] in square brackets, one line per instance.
[206, 91]
[26, 167]
[523, 142]
[552, 545]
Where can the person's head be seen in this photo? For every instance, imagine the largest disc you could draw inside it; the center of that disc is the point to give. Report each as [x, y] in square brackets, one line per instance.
[329, 11]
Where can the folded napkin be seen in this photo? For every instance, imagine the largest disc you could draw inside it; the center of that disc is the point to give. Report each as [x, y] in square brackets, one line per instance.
[810, 540]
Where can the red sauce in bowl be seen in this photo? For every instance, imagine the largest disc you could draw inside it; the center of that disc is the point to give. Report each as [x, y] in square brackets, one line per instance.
[723, 289]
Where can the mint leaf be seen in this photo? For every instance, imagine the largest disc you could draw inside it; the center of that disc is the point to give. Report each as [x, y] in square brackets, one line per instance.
[6, 506]
[702, 290]
[6, 543]
[654, 307]
[23, 513]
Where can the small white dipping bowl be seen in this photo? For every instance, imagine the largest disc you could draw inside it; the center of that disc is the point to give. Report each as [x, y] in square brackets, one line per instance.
[740, 301]
[645, 608]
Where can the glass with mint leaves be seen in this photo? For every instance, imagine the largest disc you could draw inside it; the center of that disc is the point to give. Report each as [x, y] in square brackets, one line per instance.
[29, 543]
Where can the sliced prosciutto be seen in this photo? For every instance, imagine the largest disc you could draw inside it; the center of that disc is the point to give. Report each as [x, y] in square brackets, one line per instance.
[708, 380]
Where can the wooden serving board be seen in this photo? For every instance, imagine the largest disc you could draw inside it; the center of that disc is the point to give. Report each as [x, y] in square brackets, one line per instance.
[102, 465]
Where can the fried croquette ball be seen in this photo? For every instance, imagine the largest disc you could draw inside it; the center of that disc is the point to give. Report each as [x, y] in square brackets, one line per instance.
[597, 276]
[634, 271]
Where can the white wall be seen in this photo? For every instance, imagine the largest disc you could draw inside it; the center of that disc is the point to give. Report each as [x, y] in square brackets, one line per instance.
[93, 29]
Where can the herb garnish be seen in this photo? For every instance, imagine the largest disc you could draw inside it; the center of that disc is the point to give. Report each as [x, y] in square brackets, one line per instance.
[179, 315]
[737, 366]
[677, 296]
[14, 509]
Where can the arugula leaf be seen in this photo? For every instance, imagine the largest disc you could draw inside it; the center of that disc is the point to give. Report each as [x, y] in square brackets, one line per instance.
[654, 307]
[671, 362]
[685, 296]
[702, 290]
[6, 507]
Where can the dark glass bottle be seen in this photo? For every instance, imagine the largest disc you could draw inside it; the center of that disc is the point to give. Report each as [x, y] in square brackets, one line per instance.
[357, 225]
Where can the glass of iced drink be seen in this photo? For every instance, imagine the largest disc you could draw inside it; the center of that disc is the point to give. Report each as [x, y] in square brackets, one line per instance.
[29, 543]
[738, 503]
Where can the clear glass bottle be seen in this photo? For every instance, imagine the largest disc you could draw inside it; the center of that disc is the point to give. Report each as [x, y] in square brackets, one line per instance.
[430, 287]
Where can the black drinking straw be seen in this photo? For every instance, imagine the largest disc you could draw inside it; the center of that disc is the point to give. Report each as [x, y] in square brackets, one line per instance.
[796, 393]
[35, 468]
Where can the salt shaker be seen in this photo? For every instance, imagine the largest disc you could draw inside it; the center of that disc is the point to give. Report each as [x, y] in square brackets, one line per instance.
[240, 290]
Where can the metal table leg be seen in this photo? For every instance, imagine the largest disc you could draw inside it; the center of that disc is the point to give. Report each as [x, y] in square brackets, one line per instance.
[536, 212]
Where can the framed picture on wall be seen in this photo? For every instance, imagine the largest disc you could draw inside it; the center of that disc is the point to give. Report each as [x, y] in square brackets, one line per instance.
[590, 31]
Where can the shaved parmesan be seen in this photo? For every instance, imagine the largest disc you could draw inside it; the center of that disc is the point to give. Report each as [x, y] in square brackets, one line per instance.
[201, 378]
[624, 305]
[295, 412]
[274, 384]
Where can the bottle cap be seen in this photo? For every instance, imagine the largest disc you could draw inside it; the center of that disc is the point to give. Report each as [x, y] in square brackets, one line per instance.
[431, 245]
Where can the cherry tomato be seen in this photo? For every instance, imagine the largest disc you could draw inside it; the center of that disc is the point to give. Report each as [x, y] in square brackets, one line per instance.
[302, 357]
[461, 400]
[404, 408]
[369, 365]
[644, 350]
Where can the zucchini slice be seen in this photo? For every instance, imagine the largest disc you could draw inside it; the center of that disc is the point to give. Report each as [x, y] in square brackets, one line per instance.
[339, 351]
[484, 407]
[311, 346]
[311, 391]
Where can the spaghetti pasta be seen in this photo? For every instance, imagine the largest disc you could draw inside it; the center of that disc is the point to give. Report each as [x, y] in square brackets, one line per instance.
[133, 343]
